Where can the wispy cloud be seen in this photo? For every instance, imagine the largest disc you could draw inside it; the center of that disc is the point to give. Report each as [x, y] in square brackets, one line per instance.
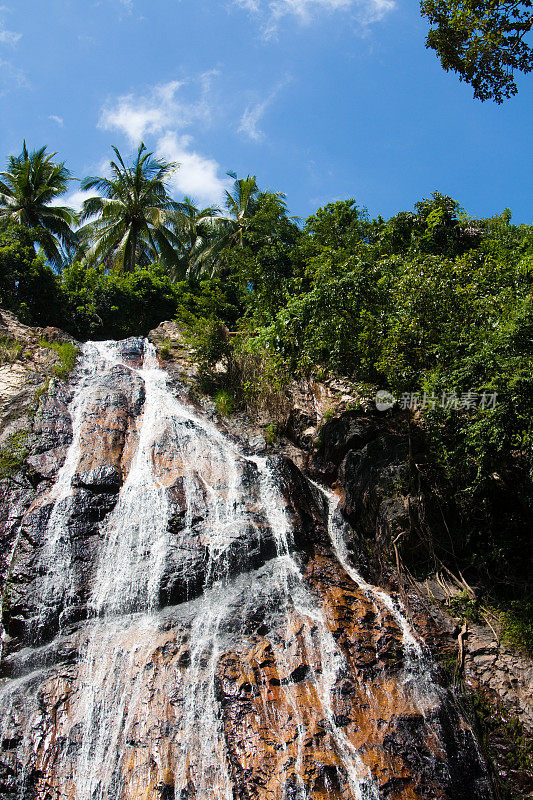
[163, 113]
[254, 113]
[58, 120]
[6, 36]
[11, 76]
[9, 37]
[271, 12]
[160, 108]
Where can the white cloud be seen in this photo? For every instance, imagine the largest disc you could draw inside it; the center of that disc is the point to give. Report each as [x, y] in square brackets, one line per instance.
[249, 5]
[73, 200]
[307, 11]
[156, 111]
[58, 120]
[251, 118]
[198, 175]
[163, 113]
[254, 113]
[11, 76]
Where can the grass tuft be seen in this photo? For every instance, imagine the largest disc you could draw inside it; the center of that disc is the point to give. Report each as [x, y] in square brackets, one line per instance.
[10, 350]
[67, 352]
[13, 454]
[224, 403]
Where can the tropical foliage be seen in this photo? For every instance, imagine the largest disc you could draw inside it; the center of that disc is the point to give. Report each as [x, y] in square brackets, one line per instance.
[199, 235]
[28, 285]
[241, 204]
[129, 221]
[28, 191]
[483, 42]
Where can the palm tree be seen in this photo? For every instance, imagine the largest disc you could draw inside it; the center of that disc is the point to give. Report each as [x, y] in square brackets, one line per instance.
[31, 183]
[242, 203]
[131, 221]
[218, 234]
[198, 232]
[221, 233]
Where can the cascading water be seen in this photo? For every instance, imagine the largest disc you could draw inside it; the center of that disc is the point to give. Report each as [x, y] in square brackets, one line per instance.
[96, 364]
[170, 630]
[415, 657]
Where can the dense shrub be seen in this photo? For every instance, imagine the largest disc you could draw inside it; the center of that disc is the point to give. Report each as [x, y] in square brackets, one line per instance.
[28, 286]
[112, 305]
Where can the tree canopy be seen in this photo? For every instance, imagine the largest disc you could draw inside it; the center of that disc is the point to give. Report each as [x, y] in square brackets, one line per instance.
[29, 189]
[483, 41]
[129, 221]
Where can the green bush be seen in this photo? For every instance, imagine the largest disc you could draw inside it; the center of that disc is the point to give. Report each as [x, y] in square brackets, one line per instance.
[224, 403]
[212, 351]
[67, 352]
[110, 305]
[13, 454]
[463, 605]
[271, 433]
[505, 737]
[517, 626]
[335, 324]
[165, 349]
[211, 298]
[28, 286]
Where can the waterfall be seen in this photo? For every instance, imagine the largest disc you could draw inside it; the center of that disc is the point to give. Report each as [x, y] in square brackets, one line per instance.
[95, 364]
[144, 706]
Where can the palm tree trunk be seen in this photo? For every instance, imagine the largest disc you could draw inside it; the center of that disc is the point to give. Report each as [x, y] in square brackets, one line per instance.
[131, 250]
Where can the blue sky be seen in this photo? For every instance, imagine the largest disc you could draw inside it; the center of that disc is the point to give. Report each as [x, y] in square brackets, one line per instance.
[321, 99]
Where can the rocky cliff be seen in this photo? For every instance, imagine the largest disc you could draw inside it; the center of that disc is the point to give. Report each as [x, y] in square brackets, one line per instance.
[186, 615]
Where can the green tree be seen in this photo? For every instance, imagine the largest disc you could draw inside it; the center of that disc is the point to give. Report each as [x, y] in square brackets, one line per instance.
[483, 41]
[339, 225]
[28, 286]
[443, 227]
[29, 186]
[336, 323]
[228, 233]
[131, 221]
[198, 231]
[113, 305]
[242, 203]
[269, 259]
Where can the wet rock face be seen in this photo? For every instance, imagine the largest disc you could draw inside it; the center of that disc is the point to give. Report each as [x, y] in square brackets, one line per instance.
[181, 623]
[368, 457]
[106, 439]
[269, 704]
[350, 431]
[371, 476]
